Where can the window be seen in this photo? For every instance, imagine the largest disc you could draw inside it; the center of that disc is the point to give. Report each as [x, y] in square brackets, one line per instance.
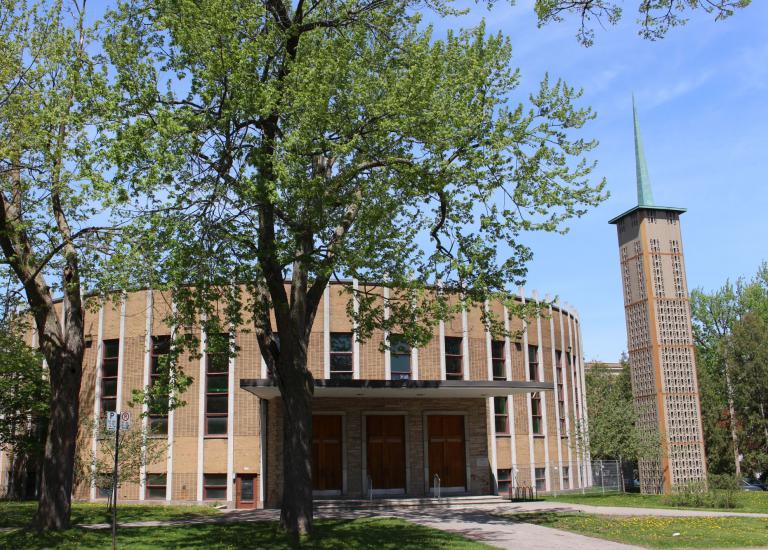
[560, 393]
[399, 358]
[158, 417]
[109, 362]
[104, 485]
[497, 360]
[536, 413]
[541, 479]
[533, 362]
[566, 476]
[501, 415]
[454, 362]
[216, 385]
[155, 488]
[341, 356]
[214, 486]
[504, 480]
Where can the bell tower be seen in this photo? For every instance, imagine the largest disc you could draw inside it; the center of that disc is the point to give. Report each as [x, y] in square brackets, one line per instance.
[659, 335]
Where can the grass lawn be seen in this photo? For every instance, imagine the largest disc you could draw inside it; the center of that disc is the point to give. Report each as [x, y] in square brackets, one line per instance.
[20, 514]
[378, 533]
[659, 532]
[756, 502]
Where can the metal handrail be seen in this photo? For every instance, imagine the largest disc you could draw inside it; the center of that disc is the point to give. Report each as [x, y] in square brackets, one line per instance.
[436, 485]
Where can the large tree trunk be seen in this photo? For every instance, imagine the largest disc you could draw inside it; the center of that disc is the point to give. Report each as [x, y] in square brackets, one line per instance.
[296, 388]
[55, 500]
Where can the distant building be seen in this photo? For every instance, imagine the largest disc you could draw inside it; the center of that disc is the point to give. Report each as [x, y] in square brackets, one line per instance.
[659, 335]
[613, 368]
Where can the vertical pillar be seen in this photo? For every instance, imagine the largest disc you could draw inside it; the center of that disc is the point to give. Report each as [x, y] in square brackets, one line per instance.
[144, 384]
[96, 395]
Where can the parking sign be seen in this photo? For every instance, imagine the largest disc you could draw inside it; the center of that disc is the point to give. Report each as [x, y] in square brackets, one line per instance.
[125, 420]
[111, 421]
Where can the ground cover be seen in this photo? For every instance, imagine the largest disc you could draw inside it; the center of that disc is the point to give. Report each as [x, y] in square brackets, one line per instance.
[659, 532]
[373, 533]
[20, 514]
[753, 502]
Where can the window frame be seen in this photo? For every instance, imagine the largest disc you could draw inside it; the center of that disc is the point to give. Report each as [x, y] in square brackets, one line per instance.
[207, 486]
[542, 479]
[345, 374]
[533, 366]
[402, 375]
[560, 394]
[566, 476]
[104, 358]
[216, 374]
[498, 360]
[504, 479]
[537, 428]
[157, 340]
[148, 486]
[499, 415]
[459, 357]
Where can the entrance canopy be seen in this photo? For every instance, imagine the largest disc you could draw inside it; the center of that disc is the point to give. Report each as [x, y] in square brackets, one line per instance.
[267, 389]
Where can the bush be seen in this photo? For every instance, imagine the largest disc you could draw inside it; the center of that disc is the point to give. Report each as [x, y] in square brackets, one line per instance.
[718, 492]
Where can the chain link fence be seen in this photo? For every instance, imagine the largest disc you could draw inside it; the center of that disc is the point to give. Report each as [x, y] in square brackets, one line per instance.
[529, 481]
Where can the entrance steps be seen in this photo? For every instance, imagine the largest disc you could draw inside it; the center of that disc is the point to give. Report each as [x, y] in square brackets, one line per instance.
[406, 502]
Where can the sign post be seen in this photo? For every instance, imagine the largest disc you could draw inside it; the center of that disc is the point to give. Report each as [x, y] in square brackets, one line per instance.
[116, 422]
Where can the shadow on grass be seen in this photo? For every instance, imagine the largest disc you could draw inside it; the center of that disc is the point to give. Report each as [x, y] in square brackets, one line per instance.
[381, 533]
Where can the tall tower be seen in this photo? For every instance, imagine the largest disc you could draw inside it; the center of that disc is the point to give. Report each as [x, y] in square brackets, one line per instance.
[659, 335]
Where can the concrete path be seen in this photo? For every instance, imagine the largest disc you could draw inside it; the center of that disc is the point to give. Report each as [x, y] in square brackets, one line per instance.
[550, 506]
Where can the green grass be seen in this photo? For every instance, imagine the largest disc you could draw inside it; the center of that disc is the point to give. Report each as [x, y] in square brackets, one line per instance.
[374, 533]
[658, 532]
[753, 502]
[20, 514]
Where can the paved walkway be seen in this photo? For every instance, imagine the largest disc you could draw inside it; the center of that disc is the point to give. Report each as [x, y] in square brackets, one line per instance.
[479, 522]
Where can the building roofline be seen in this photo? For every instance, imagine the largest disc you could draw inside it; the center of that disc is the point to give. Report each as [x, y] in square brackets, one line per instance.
[646, 207]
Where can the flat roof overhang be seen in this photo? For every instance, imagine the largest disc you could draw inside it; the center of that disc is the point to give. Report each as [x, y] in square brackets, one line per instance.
[267, 389]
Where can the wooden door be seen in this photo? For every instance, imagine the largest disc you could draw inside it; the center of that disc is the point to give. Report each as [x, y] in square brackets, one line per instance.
[326, 452]
[446, 450]
[245, 491]
[385, 451]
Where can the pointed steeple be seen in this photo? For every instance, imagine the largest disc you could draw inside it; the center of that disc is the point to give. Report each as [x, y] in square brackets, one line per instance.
[644, 193]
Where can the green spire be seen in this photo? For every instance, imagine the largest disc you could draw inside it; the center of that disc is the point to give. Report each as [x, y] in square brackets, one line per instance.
[644, 193]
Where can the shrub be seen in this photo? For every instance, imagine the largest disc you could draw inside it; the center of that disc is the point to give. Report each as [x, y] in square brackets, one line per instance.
[718, 492]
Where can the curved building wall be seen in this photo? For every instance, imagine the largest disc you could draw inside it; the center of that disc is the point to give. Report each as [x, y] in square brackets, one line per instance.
[517, 440]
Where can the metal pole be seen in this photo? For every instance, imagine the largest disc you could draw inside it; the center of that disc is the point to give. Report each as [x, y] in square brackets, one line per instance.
[114, 486]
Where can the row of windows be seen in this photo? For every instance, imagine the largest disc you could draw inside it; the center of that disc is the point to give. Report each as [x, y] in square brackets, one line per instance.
[505, 482]
[214, 487]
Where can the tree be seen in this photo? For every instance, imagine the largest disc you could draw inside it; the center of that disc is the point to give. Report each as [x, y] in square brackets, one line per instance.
[284, 144]
[24, 395]
[613, 430]
[748, 352]
[48, 99]
[727, 324]
[137, 451]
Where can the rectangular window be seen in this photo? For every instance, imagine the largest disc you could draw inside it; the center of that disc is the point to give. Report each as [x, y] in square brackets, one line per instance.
[541, 479]
[504, 480]
[560, 393]
[566, 476]
[536, 413]
[109, 361]
[158, 417]
[104, 484]
[341, 356]
[217, 385]
[497, 360]
[533, 362]
[501, 415]
[155, 488]
[399, 358]
[214, 486]
[454, 361]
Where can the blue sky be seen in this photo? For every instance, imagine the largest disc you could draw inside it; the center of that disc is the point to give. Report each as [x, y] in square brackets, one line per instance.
[702, 101]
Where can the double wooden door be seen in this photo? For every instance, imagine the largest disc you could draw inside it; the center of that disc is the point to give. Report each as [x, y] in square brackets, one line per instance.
[447, 453]
[385, 452]
[327, 453]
